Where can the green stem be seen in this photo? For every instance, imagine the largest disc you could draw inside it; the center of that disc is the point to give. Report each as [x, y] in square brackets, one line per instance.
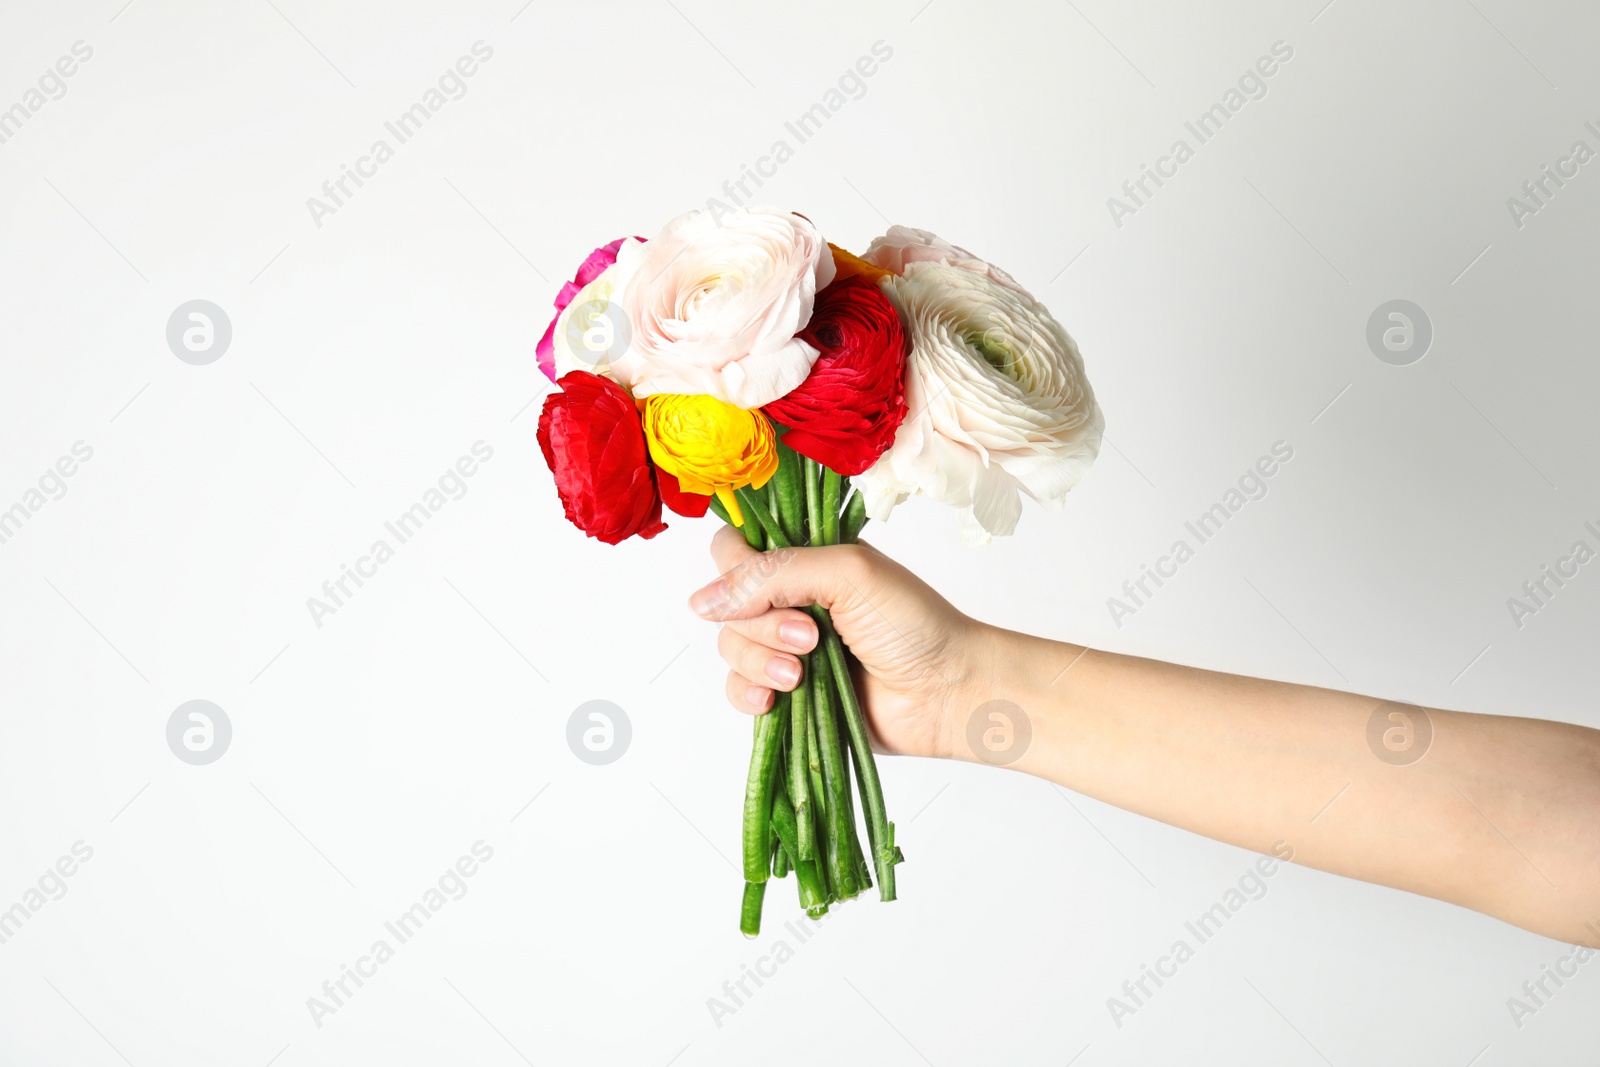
[836, 785]
[750, 908]
[880, 831]
[780, 861]
[777, 856]
[788, 494]
[814, 501]
[865, 872]
[813, 895]
[799, 784]
[839, 822]
[755, 510]
[854, 518]
[752, 533]
[831, 500]
[764, 751]
[818, 794]
[842, 848]
[858, 861]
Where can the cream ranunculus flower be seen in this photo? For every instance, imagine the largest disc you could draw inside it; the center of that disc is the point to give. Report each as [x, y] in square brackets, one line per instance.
[593, 332]
[999, 404]
[714, 304]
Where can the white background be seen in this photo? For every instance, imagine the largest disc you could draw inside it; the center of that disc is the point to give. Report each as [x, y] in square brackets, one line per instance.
[371, 352]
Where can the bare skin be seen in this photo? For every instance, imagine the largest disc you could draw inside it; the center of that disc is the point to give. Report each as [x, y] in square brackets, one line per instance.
[1494, 813]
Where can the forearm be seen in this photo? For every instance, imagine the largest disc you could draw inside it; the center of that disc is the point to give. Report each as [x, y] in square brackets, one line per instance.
[1498, 815]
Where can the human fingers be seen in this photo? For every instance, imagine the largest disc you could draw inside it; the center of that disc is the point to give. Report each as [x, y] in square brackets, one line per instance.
[776, 670]
[747, 696]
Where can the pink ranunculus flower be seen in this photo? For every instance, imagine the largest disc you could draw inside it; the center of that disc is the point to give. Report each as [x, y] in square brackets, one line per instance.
[596, 264]
[715, 303]
[904, 245]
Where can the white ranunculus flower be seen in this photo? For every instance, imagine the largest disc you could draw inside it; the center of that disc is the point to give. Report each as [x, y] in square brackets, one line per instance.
[592, 332]
[714, 304]
[997, 401]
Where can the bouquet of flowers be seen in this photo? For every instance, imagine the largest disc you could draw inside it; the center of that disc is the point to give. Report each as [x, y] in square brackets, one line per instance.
[736, 362]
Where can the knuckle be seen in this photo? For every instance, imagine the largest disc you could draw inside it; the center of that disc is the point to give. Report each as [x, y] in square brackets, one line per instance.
[722, 545]
[853, 561]
[746, 585]
[768, 564]
[769, 622]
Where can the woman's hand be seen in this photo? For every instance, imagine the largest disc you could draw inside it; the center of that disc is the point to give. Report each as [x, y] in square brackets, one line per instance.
[919, 656]
[1493, 813]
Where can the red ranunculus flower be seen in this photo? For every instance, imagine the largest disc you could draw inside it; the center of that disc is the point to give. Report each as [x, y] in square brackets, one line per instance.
[845, 413]
[594, 443]
[689, 505]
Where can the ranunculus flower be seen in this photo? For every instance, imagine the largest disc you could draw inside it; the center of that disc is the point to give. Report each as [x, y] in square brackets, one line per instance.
[591, 328]
[999, 402]
[673, 495]
[715, 302]
[591, 437]
[710, 446]
[905, 245]
[845, 413]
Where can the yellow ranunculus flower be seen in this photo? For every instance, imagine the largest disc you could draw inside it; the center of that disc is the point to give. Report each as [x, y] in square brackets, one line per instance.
[710, 446]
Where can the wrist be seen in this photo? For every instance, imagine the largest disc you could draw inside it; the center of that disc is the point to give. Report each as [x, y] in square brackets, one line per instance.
[996, 717]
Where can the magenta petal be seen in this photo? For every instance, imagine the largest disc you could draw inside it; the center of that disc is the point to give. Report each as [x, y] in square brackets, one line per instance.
[598, 261]
[545, 350]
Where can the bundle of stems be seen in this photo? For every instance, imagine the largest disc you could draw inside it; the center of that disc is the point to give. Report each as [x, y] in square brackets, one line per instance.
[799, 809]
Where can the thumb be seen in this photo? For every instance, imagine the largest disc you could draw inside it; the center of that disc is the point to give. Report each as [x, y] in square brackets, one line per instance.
[753, 583]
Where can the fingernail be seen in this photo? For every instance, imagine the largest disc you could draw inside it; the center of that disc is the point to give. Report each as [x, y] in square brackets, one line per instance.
[784, 671]
[801, 636]
[756, 697]
[711, 601]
